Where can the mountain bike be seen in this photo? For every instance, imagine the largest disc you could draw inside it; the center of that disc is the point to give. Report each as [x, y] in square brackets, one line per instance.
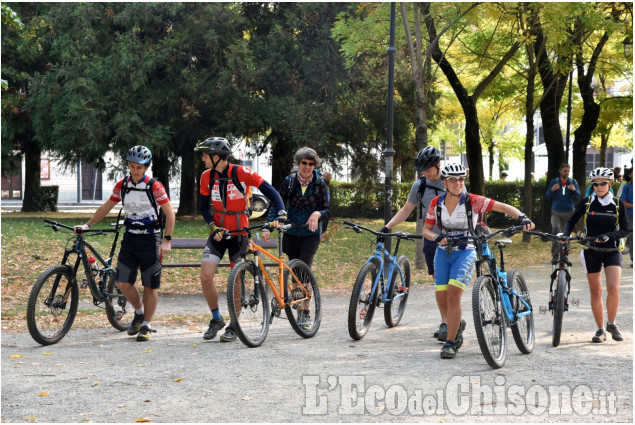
[54, 298]
[296, 293]
[384, 279]
[560, 286]
[499, 299]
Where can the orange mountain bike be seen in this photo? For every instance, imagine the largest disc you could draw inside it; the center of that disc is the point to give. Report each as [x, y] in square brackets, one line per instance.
[293, 287]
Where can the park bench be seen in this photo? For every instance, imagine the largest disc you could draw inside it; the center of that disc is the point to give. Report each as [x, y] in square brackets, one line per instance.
[199, 244]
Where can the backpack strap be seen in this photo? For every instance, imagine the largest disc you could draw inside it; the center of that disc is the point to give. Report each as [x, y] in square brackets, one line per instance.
[233, 175]
[468, 211]
[159, 223]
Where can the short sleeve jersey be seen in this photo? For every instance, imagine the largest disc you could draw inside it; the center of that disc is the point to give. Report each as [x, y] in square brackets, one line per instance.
[137, 208]
[235, 201]
[455, 224]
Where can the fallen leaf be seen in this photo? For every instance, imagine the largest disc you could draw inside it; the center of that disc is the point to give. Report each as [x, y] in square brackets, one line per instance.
[47, 353]
[15, 356]
[178, 380]
[194, 345]
[247, 397]
[147, 401]
[121, 405]
[148, 351]
[32, 418]
[44, 394]
[140, 365]
[96, 383]
[143, 420]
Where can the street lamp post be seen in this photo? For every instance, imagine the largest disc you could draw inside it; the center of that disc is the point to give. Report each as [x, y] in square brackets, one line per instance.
[389, 153]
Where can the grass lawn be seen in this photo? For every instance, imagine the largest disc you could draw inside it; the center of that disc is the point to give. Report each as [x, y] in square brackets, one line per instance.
[29, 248]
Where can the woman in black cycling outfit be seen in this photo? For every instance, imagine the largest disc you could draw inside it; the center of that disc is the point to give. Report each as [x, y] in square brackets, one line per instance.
[605, 219]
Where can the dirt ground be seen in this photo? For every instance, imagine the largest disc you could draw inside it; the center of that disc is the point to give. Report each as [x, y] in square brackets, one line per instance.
[392, 375]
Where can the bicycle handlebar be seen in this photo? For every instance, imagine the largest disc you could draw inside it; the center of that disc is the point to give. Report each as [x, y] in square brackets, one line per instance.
[400, 235]
[546, 237]
[266, 226]
[509, 231]
[56, 227]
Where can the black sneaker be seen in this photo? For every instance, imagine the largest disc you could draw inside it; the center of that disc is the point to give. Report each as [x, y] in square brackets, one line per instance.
[214, 327]
[600, 336]
[458, 341]
[442, 333]
[228, 336]
[448, 351]
[145, 333]
[304, 319]
[615, 332]
[135, 326]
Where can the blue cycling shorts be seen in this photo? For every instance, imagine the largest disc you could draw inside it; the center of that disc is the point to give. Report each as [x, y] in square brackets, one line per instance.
[455, 269]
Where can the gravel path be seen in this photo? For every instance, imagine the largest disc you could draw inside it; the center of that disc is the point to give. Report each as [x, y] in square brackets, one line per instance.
[393, 375]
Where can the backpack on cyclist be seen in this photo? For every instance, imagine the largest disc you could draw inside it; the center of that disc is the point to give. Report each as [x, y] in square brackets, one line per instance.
[423, 185]
[293, 182]
[159, 223]
[481, 227]
[238, 184]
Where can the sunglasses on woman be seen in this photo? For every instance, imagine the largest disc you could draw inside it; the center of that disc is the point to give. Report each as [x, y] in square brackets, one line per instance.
[596, 184]
[310, 164]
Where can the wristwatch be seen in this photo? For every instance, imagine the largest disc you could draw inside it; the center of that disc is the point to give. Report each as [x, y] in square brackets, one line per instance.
[167, 237]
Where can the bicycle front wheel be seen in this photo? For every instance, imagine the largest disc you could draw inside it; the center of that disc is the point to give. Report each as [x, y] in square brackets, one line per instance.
[302, 299]
[489, 322]
[118, 309]
[398, 293]
[523, 329]
[52, 305]
[558, 311]
[247, 304]
[362, 306]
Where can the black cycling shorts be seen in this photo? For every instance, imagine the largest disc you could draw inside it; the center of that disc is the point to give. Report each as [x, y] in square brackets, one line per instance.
[301, 247]
[592, 260]
[214, 250]
[140, 252]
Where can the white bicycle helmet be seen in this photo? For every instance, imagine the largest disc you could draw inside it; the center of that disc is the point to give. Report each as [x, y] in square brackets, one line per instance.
[607, 173]
[453, 170]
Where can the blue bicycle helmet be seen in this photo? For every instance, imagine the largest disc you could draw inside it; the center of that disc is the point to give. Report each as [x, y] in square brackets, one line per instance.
[139, 154]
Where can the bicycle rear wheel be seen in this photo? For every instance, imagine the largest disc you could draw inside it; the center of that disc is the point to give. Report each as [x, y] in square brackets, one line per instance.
[362, 307]
[523, 329]
[118, 309]
[247, 304]
[489, 322]
[398, 293]
[52, 305]
[304, 316]
[558, 311]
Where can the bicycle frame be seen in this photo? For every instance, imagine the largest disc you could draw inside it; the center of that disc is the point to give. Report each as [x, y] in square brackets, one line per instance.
[385, 273]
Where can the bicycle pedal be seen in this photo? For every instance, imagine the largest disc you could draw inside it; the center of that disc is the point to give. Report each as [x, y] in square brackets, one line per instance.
[575, 302]
[543, 309]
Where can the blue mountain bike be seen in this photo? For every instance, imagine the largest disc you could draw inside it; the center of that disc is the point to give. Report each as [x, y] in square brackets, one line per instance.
[499, 299]
[384, 279]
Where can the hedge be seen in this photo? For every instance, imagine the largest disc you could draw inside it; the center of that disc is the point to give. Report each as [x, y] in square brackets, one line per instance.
[358, 200]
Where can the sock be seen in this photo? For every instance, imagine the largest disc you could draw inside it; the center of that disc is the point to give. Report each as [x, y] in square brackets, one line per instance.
[145, 323]
[139, 310]
[216, 314]
[601, 329]
[610, 324]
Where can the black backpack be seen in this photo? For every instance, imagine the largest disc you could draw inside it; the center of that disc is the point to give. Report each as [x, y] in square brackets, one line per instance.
[159, 223]
[237, 184]
[422, 189]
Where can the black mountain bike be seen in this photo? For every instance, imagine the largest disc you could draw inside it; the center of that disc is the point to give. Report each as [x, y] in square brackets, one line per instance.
[54, 298]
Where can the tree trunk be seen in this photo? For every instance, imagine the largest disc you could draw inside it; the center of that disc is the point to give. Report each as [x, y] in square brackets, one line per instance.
[583, 138]
[188, 192]
[281, 159]
[32, 153]
[604, 142]
[529, 144]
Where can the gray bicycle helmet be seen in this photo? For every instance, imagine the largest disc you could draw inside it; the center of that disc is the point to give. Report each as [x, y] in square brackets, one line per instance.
[601, 172]
[139, 154]
[453, 170]
[214, 146]
[426, 158]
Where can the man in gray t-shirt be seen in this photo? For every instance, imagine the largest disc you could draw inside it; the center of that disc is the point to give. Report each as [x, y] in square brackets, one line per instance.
[428, 162]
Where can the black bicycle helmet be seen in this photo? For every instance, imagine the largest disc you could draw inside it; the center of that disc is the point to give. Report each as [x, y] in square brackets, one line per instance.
[139, 154]
[214, 146]
[426, 158]
[453, 170]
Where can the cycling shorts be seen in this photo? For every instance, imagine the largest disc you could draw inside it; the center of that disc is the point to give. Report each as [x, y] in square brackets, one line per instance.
[455, 269]
[592, 261]
[214, 250]
[140, 252]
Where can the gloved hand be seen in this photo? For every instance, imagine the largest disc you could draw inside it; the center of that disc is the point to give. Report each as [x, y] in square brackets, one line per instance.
[282, 217]
[82, 228]
[214, 229]
[524, 220]
[440, 236]
[603, 238]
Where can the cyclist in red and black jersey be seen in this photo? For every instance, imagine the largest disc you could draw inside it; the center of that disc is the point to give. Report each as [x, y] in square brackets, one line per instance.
[142, 247]
[224, 207]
